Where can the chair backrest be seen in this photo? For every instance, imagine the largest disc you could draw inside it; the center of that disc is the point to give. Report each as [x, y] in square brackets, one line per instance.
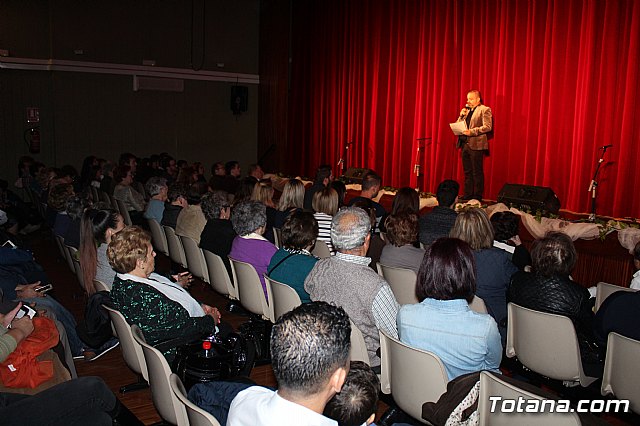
[122, 208]
[114, 203]
[402, 282]
[100, 286]
[277, 237]
[60, 244]
[477, 305]
[158, 237]
[491, 385]
[621, 374]
[358, 346]
[195, 258]
[321, 250]
[555, 355]
[77, 268]
[196, 415]
[95, 197]
[250, 292]
[131, 350]
[104, 197]
[604, 290]
[68, 255]
[283, 297]
[166, 402]
[176, 251]
[218, 275]
[415, 376]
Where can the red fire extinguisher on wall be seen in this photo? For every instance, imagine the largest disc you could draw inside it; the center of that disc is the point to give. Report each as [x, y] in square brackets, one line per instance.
[32, 138]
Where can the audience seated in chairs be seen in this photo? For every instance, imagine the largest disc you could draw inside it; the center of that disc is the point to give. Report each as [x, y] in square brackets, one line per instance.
[123, 191]
[291, 200]
[98, 226]
[310, 354]
[231, 182]
[249, 219]
[402, 233]
[347, 280]
[13, 331]
[245, 190]
[176, 201]
[325, 205]
[157, 189]
[324, 177]
[438, 223]
[163, 310]
[376, 243]
[292, 263]
[263, 192]
[218, 234]
[341, 189]
[357, 402]
[217, 176]
[20, 275]
[619, 313]
[85, 400]
[75, 208]
[371, 183]
[406, 200]
[506, 227]
[549, 288]
[191, 220]
[57, 217]
[464, 340]
[494, 266]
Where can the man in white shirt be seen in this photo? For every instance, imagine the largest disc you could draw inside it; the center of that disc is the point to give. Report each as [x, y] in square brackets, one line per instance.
[310, 357]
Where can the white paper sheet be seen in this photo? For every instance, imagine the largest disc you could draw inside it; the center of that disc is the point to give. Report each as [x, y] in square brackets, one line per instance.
[458, 127]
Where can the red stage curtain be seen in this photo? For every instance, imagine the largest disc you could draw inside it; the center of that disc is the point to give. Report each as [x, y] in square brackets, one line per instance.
[560, 76]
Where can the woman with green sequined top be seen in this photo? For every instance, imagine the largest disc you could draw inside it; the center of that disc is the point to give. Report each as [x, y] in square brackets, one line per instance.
[163, 309]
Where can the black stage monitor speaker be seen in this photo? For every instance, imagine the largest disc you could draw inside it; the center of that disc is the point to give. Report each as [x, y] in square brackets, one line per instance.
[355, 175]
[528, 196]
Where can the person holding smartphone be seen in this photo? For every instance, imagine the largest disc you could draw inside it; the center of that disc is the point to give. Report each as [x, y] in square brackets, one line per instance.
[13, 331]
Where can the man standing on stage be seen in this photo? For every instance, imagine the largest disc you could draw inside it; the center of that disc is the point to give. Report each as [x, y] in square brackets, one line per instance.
[474, 143]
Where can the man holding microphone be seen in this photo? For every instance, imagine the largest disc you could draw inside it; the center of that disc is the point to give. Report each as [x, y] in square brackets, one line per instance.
[474, 143]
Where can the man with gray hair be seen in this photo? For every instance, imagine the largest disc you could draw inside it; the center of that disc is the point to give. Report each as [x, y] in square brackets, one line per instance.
[157, 189]
[347, 281]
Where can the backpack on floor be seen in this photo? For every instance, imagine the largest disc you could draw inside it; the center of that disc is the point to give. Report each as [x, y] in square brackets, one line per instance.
[95, 329]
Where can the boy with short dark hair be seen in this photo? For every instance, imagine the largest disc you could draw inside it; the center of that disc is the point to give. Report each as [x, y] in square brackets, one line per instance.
[357, 402]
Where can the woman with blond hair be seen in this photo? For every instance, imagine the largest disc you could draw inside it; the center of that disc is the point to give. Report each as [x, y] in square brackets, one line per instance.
[494, 266]
[263, 192]
[291, 200]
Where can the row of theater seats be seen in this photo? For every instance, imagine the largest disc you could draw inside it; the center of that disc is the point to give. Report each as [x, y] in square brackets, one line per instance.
[167, 391]
[401, 362]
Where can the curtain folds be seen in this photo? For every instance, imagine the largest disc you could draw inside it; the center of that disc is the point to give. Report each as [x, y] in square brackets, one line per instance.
[561, 77]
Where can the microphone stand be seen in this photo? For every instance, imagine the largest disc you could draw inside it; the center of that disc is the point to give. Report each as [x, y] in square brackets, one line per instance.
[416, 164]
[344, 157]
[594, 184]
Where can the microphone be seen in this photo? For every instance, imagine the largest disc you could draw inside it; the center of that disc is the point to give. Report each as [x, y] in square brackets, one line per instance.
[468, 108]
[606, 146]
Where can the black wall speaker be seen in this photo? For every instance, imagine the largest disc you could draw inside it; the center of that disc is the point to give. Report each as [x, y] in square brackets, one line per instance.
[529, 196]
[355, 175]
[239, 99]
